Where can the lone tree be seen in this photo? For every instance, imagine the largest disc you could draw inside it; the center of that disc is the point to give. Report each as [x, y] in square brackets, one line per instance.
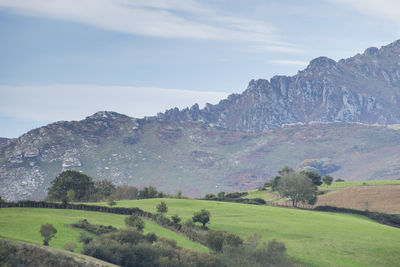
[47, 231]
[162, 207]
[298, 188]
[81, 184]
[327, 180]
[135, 221]
[202, 217]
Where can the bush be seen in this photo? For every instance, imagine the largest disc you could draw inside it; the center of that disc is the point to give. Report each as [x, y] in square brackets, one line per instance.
[96, 229]
[47, 231]
[135, 221]
[84, 238]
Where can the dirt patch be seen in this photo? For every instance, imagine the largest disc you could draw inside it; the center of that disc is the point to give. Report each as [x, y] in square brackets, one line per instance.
[382, 198]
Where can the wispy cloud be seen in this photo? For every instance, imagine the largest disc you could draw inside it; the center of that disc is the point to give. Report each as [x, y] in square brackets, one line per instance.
[388, 9]
[159, 18]
[73, 102]
[290, 62]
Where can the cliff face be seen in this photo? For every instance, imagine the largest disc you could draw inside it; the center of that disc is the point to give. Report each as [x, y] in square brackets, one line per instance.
[364, 88]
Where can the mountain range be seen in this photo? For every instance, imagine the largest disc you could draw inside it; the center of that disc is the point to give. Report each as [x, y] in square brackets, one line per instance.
[364, 88]
[333, 117]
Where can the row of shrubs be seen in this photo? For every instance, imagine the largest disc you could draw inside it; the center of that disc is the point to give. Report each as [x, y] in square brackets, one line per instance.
[97, 229]
[388, 219]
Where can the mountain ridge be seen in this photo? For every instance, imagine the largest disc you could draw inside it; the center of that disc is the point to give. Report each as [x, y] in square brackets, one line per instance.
[323, 118]
[325, 91]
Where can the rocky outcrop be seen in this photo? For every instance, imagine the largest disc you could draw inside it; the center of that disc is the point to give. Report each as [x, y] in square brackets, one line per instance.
[364, 88]
[28, 162]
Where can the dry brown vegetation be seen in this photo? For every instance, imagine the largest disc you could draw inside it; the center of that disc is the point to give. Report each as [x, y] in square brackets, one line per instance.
[382, 198]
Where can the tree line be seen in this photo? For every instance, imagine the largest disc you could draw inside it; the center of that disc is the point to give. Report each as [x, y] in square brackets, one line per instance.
[74, 186]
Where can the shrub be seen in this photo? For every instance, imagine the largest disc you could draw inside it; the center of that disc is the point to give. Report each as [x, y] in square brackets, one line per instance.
[135, 221]
[47, 231]
[96, 229]
[202, 217]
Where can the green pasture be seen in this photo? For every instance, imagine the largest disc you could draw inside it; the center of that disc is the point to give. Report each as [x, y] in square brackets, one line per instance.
[313, 238]
[24, 224]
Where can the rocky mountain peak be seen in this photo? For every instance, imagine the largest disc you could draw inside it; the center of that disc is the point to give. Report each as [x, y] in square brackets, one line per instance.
[364, 88]
[372, 51]
[321, 62]
[106, 115]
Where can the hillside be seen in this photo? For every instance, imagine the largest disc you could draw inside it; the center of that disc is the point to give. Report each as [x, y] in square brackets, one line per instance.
[313, 238]
[193, 157]
[24, 224]
[363, 88]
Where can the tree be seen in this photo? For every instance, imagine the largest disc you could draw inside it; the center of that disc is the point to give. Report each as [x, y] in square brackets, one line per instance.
[47, 231]
[285, 171]
[162, 207]
[327, 179]
[125, 192]
[1, 200]
[298, 188]
[315, 177]
[80, 183]
[103, 189]
[202, 217]
[135, 221]
[179, 195]
[176, 219]
[148, 192]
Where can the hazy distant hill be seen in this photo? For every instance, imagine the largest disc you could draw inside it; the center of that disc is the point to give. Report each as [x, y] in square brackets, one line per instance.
[191, 156]
[364, 88]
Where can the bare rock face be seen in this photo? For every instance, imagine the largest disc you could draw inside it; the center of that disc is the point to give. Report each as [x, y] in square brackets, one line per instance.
[364, 88]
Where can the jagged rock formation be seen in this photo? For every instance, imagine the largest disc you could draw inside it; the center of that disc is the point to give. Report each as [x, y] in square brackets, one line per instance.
[364, 88]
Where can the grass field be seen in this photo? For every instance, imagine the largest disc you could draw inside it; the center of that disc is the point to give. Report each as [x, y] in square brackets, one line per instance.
[313, 238]
[24, 224]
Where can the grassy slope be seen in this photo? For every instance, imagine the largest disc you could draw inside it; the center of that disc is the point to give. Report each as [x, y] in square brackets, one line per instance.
[24, 224]
[314, 238]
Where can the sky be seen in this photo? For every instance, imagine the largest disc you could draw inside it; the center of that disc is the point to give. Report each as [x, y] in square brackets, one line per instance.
[67, 59]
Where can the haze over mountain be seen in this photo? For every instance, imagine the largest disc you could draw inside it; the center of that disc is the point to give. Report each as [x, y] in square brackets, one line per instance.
[228, 146]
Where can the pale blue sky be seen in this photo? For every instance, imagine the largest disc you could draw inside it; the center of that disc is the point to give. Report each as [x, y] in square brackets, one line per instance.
[66, 59]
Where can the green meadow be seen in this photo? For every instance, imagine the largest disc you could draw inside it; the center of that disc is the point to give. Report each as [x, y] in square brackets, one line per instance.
[24, 224]
[313, 238]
